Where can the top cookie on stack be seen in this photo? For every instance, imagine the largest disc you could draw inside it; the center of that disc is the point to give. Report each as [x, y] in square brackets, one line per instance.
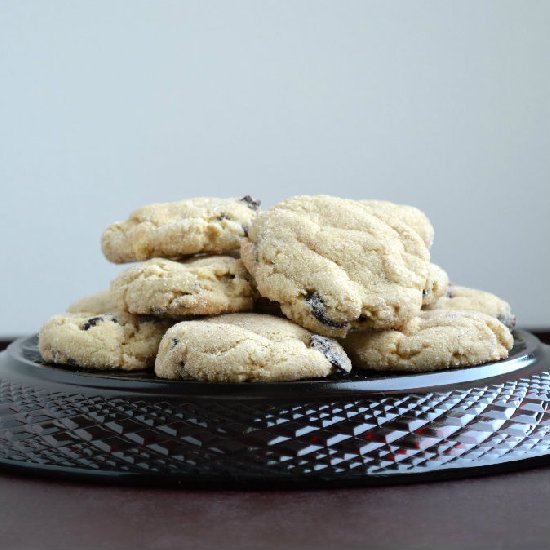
[336, 264]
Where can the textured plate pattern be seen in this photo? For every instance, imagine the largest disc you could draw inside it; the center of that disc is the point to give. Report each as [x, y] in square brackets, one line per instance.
[354, 439]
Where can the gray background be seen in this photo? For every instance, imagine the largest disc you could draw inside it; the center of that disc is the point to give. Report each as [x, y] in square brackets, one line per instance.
[106, 106]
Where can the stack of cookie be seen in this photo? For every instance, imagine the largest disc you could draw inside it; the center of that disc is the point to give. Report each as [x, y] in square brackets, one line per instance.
[226, 293]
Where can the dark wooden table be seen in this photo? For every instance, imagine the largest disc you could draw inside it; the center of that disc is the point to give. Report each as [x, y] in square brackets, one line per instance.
[501, 512]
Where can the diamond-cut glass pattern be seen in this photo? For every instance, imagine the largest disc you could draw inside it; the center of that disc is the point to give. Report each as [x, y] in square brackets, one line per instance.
[340, 438]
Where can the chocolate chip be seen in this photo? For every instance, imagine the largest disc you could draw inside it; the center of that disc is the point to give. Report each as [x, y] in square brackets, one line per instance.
[318, 310]
[175, 342]
[250, 202]
[425, 292]
[326, 347]
[91, 322]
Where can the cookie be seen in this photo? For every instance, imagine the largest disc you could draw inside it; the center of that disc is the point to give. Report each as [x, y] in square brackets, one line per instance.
[436, 285]
[105, 341]
[177, 229]
[212, 285]
[413, 217]
[433, 341]
[101, 302]
[332, 265]
[470, 299]
[247, 348]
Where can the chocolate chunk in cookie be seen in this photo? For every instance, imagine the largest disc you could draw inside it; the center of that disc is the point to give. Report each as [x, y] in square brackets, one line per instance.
[251, 203]
[319, 311]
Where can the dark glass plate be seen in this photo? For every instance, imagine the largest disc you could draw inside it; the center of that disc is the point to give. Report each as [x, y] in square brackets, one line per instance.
[362, 428]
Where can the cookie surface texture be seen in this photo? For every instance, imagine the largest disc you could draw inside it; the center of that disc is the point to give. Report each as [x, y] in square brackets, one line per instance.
[332, 265]
[471, 299]
[105, 341]
[178, 229]
[212, 285]
[245, 347]
[435, 340]
[100, 302]
[437, 283]
[412, 216]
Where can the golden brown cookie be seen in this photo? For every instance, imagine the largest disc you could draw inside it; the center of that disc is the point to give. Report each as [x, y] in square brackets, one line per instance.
[177, 229]
[333, 265]
[247, 347]
[470, 299]
[434, 340]
[204, 286]
[105, 341]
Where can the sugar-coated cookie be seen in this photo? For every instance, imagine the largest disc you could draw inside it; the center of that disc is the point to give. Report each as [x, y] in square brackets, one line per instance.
[211, 285]
[471, 299]
[177, 229]
[247, 347]
[434, 340]
[333, 265]
[104, 341]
